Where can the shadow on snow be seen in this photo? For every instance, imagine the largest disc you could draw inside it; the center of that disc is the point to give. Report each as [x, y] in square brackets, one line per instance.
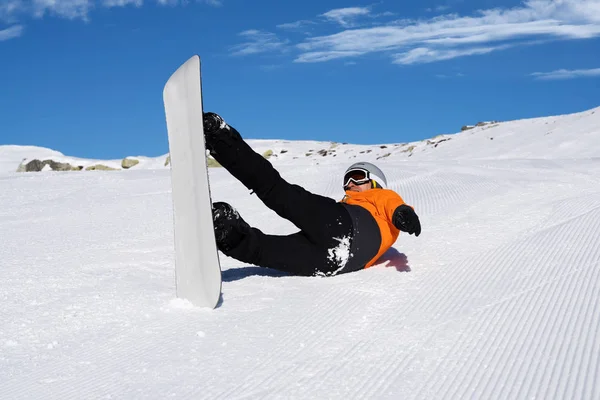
[235, 274]
[391, 258]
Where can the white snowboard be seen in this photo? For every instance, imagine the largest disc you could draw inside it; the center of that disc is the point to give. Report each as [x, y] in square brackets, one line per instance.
[197, 267]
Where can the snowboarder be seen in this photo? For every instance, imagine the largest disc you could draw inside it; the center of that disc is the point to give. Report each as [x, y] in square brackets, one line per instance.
[335, 236]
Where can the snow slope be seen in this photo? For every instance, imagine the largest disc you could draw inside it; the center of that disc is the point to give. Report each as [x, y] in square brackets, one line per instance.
[556, 137]
[497, 299]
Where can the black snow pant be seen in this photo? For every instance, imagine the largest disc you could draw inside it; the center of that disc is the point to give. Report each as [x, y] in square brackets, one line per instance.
[322, 245]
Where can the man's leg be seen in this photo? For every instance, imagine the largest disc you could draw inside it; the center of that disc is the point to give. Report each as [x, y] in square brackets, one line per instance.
[318, 216]
[294, 253]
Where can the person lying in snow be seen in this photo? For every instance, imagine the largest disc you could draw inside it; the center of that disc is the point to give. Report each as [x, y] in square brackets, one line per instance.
[334, 237]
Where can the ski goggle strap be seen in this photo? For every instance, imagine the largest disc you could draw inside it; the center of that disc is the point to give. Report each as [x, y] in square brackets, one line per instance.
[359, 176]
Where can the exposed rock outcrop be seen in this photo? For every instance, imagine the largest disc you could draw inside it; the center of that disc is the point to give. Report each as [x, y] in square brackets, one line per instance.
[129, 162]
[100, 167]
[39, 165]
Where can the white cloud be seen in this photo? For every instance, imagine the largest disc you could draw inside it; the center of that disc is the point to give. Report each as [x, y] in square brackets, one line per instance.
[258, 42]
[422, 55]
[73, 9]
[437, 9]
[13, 11]
[447, 76]
[11, 33]
[122, 3]
[70, 9]
[8, 8]
[567, 74]
[452, 35]
[296, 25]
[319, 56]
[345, 16]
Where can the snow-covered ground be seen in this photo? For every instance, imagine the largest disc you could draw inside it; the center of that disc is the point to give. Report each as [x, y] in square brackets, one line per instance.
[499, 298]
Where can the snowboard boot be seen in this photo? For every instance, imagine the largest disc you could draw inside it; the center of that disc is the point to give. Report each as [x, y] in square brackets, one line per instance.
[230, 228]
[216, 130]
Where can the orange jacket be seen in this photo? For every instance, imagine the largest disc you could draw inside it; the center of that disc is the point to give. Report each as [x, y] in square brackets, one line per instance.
[381, 203]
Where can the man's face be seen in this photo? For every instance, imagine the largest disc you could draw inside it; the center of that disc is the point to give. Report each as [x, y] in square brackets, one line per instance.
[353, 187]
[357, 180]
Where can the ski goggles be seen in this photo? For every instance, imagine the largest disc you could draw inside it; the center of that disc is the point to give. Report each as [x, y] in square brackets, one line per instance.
[358, 176]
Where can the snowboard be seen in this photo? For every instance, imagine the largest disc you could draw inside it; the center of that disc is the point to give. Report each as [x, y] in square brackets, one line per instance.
[197, 267]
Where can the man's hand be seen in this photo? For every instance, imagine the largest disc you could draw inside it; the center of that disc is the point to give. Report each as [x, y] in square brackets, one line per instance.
[212, 123]
[406, 220]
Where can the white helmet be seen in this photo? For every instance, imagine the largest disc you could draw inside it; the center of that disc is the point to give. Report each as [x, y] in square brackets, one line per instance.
[369, 173]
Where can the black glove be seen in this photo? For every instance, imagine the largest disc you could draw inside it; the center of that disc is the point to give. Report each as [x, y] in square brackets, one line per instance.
[406, 220]
[212, 122]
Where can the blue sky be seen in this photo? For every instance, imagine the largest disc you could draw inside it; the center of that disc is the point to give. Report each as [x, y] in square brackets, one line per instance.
[86, 77]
